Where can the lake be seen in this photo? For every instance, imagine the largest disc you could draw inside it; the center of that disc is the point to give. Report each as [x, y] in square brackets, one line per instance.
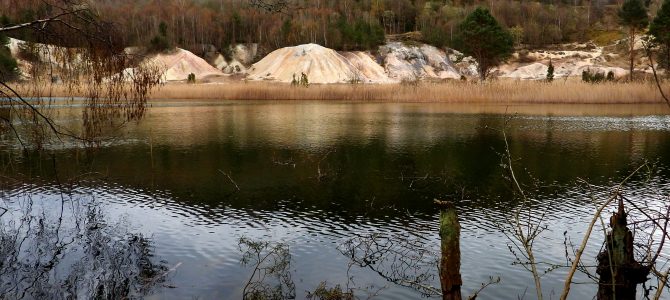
[194, 177]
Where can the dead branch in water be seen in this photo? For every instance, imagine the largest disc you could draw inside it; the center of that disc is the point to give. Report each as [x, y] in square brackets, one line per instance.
[231, 179]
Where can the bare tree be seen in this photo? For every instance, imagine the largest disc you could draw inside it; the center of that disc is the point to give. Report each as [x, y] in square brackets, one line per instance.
[73, 44]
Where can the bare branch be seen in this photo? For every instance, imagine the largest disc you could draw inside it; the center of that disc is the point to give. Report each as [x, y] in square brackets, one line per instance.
[41, 22]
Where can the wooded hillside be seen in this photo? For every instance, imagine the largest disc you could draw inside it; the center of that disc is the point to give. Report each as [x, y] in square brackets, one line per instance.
[338, 24]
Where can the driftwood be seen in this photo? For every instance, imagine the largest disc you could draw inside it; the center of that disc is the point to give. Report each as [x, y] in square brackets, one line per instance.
[619, 272]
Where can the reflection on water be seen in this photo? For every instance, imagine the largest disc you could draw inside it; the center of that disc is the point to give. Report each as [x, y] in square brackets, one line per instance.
[66, 248]
[197, 178]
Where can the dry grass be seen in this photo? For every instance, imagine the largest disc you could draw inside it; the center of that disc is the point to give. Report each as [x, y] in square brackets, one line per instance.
[496, 92]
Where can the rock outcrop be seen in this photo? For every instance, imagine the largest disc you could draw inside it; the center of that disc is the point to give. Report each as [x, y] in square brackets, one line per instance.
[409, 63]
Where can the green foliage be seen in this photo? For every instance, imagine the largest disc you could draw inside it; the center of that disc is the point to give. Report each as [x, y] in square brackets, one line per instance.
[162, 29]
[360, 35]
[285, 30]
[596, 77]
[660, 30]
[660, 26]
[4, 20]
[550, 72]
[304, 81]
[190, 78]
[160, 42]
[633, 14]
[484, 39]
[9, 68]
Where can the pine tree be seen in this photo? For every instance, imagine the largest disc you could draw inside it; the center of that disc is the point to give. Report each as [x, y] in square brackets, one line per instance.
[633, 14]
[550, 72]
[484, 39]
[660, 30]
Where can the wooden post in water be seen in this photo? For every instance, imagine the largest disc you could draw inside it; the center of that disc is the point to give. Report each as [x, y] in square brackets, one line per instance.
[450, 263]
[619, 272]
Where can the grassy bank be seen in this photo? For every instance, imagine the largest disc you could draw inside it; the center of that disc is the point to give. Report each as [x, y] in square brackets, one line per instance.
[495, 92]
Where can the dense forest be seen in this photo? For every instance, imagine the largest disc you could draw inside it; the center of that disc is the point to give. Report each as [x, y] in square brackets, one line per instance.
[339, 24]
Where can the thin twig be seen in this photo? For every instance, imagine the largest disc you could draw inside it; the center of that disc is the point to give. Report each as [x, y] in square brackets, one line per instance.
[231, 179]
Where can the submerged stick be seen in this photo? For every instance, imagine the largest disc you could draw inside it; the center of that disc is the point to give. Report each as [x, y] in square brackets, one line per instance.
[450, 263]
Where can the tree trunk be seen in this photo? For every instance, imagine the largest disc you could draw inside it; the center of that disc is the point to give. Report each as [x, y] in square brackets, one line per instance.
[619, 272]
[632, 52]
[450, 263]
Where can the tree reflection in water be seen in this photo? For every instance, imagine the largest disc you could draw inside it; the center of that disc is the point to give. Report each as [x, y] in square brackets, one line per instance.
[65, 248]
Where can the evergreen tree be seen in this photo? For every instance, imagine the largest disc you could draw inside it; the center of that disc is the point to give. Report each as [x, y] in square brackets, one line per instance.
[550, 72]
[484, 39]
[633, 14]
[660, 30]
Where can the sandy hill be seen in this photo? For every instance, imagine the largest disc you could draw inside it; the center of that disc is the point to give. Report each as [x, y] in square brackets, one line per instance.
[320, 64]
[179, 64]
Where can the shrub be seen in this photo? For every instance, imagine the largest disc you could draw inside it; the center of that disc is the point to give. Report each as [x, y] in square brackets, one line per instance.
[550, 72]
[597, 77]
[190, 78]
[9, 69]
[159, 44]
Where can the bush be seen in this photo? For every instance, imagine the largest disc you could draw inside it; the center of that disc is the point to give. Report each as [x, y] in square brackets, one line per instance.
[9, 68]
[597, 77]
[190, 78]
[159, 44]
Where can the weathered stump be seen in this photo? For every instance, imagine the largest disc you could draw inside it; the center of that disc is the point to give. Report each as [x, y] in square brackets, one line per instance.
[619, 272]
[450, 263]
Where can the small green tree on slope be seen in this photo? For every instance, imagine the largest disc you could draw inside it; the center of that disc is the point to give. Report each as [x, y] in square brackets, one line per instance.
[484, 39]
[633, 14]
[660, 30]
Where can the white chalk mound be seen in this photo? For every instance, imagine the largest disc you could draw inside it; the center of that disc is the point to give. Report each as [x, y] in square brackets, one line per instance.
[320, 64]
[535, 71]
[178, 65]
[368, 69]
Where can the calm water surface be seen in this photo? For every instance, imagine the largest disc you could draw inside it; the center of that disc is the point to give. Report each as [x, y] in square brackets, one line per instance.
[196, 177]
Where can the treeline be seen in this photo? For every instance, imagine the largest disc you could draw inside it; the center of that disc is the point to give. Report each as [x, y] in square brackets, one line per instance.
[338, 24]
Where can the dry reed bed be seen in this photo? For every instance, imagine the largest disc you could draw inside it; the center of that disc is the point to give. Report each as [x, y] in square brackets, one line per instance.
[501, 92]
[494, 92]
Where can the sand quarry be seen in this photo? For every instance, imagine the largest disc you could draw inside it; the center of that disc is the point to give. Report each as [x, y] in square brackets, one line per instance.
[393, 62]
[397, 62]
